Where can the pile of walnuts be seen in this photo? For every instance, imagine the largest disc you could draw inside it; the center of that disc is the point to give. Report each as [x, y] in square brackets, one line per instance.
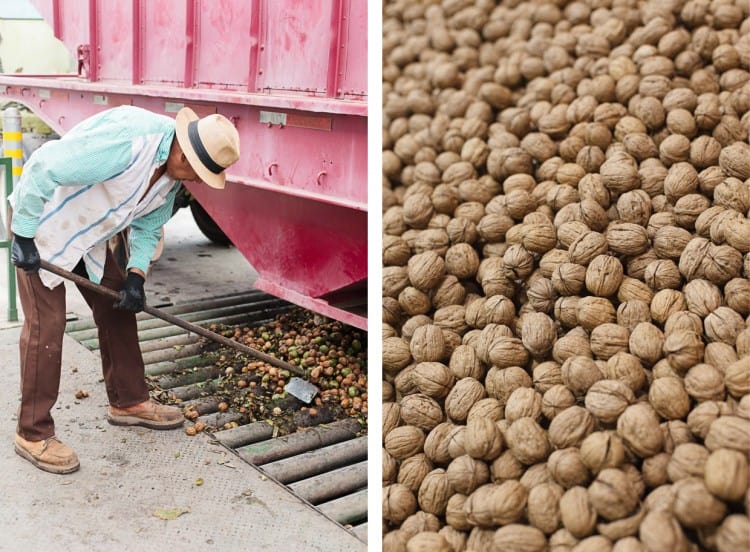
[566, 253]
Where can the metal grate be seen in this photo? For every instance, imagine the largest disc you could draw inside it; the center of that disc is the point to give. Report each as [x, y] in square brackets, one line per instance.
[325, 465]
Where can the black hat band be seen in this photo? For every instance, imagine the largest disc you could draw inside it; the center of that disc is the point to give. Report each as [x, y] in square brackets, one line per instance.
[200, 150]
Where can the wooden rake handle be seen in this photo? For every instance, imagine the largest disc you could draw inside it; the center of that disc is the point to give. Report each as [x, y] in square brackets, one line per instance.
[153, 311]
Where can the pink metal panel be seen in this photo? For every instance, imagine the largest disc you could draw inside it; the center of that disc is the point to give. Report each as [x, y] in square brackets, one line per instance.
[353, 60]
[294, 46]
[164, 42]
[220, 62]
[115, 38]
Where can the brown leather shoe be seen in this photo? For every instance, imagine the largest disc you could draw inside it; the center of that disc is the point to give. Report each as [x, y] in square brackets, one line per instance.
[147, 414]
[50, 455]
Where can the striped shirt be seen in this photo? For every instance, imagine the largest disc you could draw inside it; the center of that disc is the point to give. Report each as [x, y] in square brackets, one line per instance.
[92, 183]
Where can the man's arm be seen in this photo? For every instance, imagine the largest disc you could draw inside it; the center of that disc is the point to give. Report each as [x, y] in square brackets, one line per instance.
[145, 233]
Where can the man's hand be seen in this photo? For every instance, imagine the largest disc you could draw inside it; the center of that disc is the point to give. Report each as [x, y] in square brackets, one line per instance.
[24, 254]
[132, 296]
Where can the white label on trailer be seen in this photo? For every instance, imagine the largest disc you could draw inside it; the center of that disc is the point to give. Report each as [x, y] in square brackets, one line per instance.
[173, 107]
[273, 118]
[44, 93]
[3, 89]
[100, 99]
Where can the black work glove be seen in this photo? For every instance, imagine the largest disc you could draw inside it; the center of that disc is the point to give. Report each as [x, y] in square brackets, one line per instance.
[132, 296]
[24, 254]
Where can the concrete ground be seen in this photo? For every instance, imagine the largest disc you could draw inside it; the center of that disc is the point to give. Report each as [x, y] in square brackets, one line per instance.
[129, 477]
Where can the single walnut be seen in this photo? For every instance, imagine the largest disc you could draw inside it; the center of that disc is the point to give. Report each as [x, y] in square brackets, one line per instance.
[688, 460]
[426, 270]
[722, 263]
[491, 505]
[734, 533]
[412, 471]
[702, 297]
[587, 246]
[593, 311]
[627, 238]
[737, 377]
[427, 344]
[724, 324]
[398, 503]
[601, 450]
[661, 531]
[433, 379]
[579, 373]
[727, 474]
[638, 426]
[662, 274]
[655, 470]
[461, 260]
[482, 439]
[487, 408]
[465, 363]
[577, 512]
[719, 355]
[607, 399]
[646, 342]
[683, 349]
[521, 537]
[737, 295]
[434, 492]
[570, 427]
[670, 241]
[734, 160]
[523, 402]
[403, 442]
[464, 394]
[612, 494]
[628, 369]
[729, 432]
[609, 339]
[620, 173]
[396, 355]
[704, 382]
[695, 506]
[668, 397]
[604, 275]
[421, 411]
[632, 312]
[666, 302]
[538, 333]
[527, 441]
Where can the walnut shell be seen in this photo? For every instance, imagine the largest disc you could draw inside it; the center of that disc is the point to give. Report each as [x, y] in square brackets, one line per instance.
[578, 514]
[601, 450]
[612, 495]
[421, 411]
[727, 474]
[403, 442]
[519, 537]
[434, 492]
[570, 427]
[638, 426]
[695, 506]
[527, 441]
[464, 394]
[482, 439]
[398, 503]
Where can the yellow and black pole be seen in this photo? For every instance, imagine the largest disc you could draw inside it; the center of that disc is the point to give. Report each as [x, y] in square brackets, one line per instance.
[13, 140]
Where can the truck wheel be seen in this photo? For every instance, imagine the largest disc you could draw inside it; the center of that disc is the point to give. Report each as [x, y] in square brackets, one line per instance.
[207, 225]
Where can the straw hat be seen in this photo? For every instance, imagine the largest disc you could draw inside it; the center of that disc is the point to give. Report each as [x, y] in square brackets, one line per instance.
[211, 144]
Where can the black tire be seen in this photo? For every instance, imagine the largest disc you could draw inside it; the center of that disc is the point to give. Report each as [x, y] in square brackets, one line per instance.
[207, 225]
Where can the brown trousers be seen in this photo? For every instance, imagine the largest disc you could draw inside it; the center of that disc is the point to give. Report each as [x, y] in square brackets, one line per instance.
[41, 348]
